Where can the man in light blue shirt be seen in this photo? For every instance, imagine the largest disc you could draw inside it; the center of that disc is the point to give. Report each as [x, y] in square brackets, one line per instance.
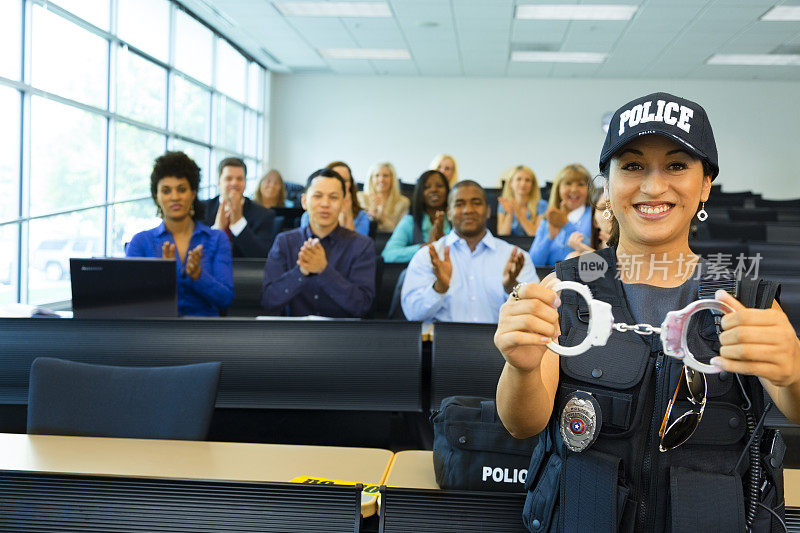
[466, 275]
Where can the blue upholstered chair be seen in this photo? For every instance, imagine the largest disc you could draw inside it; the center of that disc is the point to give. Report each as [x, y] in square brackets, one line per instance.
[69, 398]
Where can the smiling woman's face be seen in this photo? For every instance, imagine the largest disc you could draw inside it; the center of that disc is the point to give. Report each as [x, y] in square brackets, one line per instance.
[655, 187]
[574, 192]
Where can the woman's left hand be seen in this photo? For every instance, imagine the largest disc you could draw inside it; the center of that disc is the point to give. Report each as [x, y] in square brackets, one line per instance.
[193, 268]
[759, 342]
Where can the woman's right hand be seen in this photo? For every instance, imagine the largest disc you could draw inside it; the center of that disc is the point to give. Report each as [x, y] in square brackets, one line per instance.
[528, 324]
[168, 250]
[437, 228]
[557, 217]
[506, 204]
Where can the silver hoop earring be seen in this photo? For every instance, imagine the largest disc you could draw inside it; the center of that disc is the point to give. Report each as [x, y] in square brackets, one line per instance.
[607, 212]
[702, 214]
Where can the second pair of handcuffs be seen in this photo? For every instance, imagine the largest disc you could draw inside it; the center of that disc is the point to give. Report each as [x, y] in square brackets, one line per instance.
[673, 330]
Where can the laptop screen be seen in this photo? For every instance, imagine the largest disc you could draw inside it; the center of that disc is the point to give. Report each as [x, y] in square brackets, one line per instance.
[123, 287]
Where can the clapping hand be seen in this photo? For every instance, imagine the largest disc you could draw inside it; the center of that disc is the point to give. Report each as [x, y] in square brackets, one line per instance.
[193, 268]
[442, 269]
[168, 250]
[508, 205]
[437, 228]
[222, 221]
[234, 206]
[576, 242]
[512, 269]
[312, 258]
[557, 217]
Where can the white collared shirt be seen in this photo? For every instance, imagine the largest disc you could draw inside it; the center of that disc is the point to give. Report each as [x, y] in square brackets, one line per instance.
[476, 289]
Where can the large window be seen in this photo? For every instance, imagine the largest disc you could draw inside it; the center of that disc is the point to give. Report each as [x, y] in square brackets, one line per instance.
[10, 38]
[141, 88]
[145, 25]
[9, 154]
[194, 44]
[68, 157]
[105, 89]
[68, 60]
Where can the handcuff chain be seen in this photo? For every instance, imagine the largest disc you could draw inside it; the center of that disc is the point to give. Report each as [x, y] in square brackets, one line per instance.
[640, 329]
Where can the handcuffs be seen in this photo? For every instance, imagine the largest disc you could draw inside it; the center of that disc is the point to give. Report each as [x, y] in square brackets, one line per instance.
[673, 330]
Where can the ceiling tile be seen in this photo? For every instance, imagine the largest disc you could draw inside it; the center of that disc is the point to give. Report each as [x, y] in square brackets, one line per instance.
[396, 68]
[351, 66]
[538, 70]
[665, 38]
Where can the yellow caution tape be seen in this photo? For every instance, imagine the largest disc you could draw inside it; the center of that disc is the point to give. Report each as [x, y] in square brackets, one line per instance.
[369, 489]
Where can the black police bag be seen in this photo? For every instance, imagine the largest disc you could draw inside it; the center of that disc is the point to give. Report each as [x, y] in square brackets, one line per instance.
[473, 451]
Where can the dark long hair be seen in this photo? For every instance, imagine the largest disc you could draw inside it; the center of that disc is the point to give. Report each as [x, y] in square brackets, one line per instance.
[594, 240]
[355, 206]
[418, 199]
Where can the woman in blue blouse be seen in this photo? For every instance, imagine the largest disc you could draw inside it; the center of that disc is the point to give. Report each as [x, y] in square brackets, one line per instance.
[428, 222]
[568, 211]
[520, 207]
[352, 216]
[202, 255]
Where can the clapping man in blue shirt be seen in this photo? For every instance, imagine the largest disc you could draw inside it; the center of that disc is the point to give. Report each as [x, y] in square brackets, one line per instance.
[466, 275]
[322, 269]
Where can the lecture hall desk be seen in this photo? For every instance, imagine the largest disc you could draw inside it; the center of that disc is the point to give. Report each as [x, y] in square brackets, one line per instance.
[191, 460]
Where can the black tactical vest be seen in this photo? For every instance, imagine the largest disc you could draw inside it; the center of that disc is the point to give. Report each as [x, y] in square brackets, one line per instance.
[623, 482]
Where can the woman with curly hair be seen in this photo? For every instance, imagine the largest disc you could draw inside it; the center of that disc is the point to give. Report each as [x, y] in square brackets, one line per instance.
[202, 255]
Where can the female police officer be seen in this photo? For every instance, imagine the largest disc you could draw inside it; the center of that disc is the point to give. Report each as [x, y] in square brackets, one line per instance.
[608, 456]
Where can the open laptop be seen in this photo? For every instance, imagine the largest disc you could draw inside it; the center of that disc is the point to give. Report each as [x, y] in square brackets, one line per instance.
[123, 287]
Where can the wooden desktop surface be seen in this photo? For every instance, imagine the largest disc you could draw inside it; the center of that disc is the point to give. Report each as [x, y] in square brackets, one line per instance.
[231, 461]
[412, 469]
[791, 487]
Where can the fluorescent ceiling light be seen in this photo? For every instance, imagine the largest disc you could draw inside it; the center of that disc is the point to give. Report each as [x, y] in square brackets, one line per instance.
[334, 9]
[575, 12]
[557, 57]
[770, 60]
[782, 13]
[364, 53]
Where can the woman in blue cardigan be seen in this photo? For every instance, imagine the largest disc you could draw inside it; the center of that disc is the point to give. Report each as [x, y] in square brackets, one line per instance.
[202, 255]
[568, 211]
[428, 223]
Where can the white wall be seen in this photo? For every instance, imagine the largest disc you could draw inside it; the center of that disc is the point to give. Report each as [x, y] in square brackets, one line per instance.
[490, 124]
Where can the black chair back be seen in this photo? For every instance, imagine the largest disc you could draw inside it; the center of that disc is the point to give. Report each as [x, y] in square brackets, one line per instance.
[381, 238]
[464, 361]
[248, 277]
[172, 402]
[291, 216]
[752, 214]
[523, 242]
[744, 231]
[386, 286]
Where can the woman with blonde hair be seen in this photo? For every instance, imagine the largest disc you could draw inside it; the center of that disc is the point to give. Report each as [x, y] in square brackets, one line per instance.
[520, 207]
[382, 199]
[271, 192]
[567, 212]
[446, 164]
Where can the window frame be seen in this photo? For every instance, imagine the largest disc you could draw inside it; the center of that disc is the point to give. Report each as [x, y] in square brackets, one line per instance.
[112, 119]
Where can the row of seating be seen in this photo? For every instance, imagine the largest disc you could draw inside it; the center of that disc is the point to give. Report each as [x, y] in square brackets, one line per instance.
[271, 364]
[336, 367]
